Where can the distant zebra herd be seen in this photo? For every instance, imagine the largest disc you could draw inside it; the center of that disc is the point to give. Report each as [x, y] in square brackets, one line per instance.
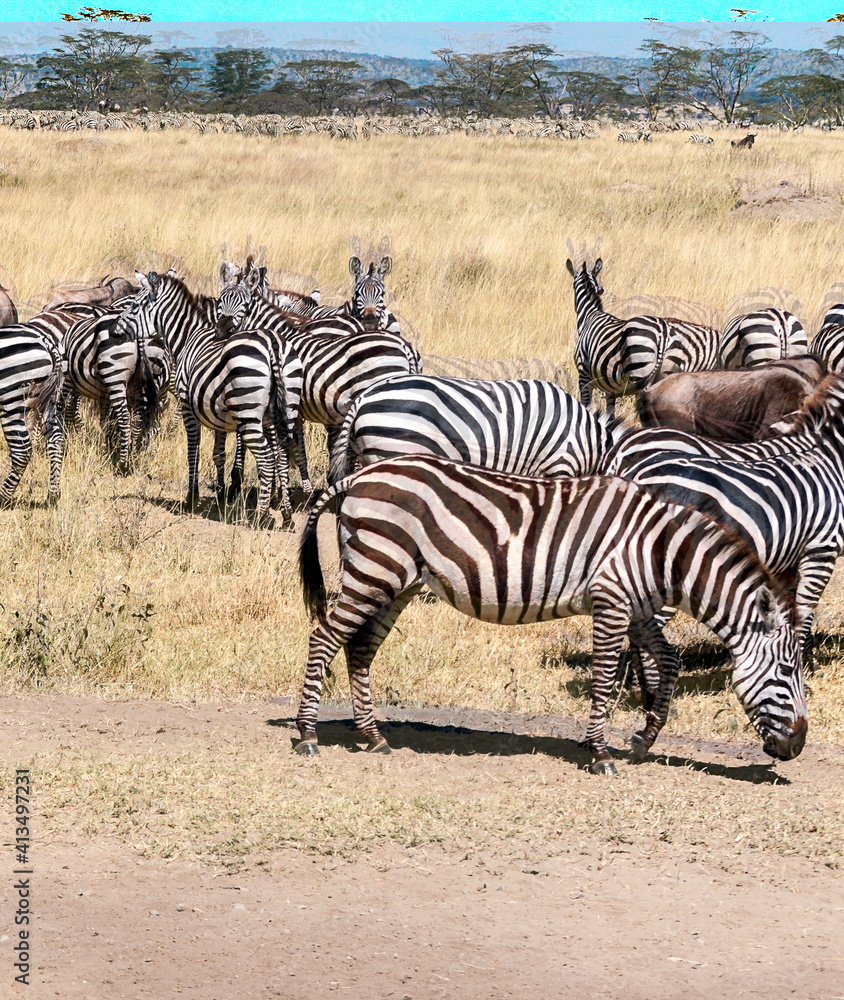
[510, 500]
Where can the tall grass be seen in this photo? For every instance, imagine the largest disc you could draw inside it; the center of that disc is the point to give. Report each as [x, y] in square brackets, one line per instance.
[117, 591]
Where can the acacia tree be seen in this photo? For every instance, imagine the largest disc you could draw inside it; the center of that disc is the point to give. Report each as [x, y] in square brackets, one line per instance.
[655, 78]
[589, 94]
[714, 79]
[325, 84]
[238, 73]
[94, 65]
[173, 73]
[13, 78]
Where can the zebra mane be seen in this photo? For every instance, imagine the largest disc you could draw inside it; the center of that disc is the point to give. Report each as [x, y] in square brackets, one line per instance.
[204, 303]
[825, 406]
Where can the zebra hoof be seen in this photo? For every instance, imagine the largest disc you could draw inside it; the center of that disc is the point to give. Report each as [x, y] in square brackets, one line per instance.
[381, 747]
[232, 494]
[287, 523]
[307, 748]
[606, 767]
[52, 500]
[191, 503]
[265, 522]
[639, 748]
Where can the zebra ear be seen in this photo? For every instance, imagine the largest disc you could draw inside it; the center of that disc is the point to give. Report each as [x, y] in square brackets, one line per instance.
[316, 295]
[171, 273]
[570, 267]
[386, 266]
[262, 276]
[598, 267]
[228, 272]
[142, 280]
[354, 266]
[253, 279]
[769, 612]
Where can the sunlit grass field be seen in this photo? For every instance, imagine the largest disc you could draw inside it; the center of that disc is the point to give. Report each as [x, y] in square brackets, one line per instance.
[117, 592]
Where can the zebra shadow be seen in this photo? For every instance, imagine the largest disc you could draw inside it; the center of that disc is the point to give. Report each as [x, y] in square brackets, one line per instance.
[427, 738]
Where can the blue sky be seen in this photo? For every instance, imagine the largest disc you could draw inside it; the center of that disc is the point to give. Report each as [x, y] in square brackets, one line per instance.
[408, 39]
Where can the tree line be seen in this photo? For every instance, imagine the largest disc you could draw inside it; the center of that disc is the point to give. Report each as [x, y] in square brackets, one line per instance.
[720, 79]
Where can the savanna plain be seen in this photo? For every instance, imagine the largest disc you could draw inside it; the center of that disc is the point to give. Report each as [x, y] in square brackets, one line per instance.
[152, 660]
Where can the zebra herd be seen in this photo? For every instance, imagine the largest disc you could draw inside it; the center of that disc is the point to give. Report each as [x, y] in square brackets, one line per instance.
[510, 500]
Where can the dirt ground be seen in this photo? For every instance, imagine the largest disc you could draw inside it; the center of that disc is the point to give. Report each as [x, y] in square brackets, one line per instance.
[405, 922]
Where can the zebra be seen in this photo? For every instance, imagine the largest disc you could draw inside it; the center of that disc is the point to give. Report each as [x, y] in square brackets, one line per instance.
[828, 347]
[622, 356]
[339, 360]
[700, 139]
[366, 306]
[249, 383]
[766, 335]
[513, 550]
[635, 137]
[108, 361]
[295, 302]
[783, 496]
[526, 426]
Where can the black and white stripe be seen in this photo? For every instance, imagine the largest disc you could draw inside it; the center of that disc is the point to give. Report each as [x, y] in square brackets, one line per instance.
[784, 496]
[700, 139]
[123, 367]
[513, 550]
[249, 383]
[828, 343]
[766, 335]
[635, 137]
[622, 356]
[525, 426]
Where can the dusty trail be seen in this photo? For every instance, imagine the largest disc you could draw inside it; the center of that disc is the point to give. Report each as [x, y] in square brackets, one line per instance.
[599, 921]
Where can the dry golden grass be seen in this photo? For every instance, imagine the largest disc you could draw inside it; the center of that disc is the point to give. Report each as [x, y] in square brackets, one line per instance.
[116, 593]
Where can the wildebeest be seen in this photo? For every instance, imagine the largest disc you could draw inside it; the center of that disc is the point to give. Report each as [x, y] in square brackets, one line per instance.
[8, 312]
[730, 405]
[100, 295]
[746, 142]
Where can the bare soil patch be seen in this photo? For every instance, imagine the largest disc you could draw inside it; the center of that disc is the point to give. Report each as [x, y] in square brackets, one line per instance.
[571, 913]
[787, 201]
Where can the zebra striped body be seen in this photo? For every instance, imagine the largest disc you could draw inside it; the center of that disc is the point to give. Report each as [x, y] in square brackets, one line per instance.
[123, 368]
[249, 383]
[528, 427]
[767, 335]
[701, 140]
[828, 347]
[783, 496]
[635, 137]
[512, 550]
[338, 361]
[622, 356]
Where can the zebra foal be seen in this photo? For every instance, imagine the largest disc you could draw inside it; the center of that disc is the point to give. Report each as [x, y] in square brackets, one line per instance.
[512, 550]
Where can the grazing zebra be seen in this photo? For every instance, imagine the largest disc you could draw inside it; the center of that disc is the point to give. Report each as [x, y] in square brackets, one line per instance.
[514, 550]
[766, 335]
[621, 356]
[249, 383]
[828, 347]
[338, 360]
[784, 496]
[635, 137]
[700, 139]
[528, 427]
[124, 368]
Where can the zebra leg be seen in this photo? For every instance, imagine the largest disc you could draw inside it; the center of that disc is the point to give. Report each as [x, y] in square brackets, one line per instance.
[120, 408]
[280, 451]
[813, 573]
[609, 625]
[13, 422]
[648, 634]
[54, 435]
[360, 652]
[256, 442]
[585, 385]
[194, 433]
[220, 467]
[236, 486]
[301, 455]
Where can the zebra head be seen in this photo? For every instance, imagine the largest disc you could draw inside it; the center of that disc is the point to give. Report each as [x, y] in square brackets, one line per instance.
[368, 296]
[768, 676]
[233, 303]
[587, 282]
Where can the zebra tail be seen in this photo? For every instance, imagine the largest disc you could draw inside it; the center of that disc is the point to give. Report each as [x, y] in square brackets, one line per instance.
[150, 398]
[279, 403]
[46, 397]
[340, 458]
[310, 571]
